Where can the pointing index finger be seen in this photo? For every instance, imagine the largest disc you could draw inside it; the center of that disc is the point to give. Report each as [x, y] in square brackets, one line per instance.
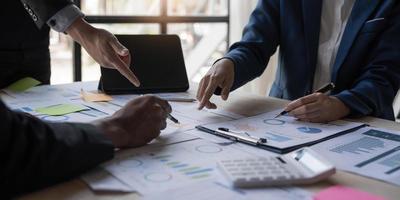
[212, 86]
[125, 70]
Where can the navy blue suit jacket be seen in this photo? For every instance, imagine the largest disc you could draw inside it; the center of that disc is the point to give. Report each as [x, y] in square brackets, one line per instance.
[366, 71]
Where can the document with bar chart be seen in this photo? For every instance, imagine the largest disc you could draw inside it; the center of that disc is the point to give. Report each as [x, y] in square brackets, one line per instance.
[156, 169]
[370, 152]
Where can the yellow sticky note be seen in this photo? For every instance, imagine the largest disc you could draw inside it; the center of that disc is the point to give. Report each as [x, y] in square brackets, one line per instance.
[95, 97]
[61, 109]
[23, 84]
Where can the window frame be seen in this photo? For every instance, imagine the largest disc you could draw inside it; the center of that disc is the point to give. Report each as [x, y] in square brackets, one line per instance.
[162, 20]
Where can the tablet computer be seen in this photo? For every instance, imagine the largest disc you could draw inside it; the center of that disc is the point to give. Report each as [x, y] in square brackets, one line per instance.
[157, 61]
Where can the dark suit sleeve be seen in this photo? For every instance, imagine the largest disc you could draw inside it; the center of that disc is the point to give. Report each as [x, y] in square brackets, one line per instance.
[374, 90]
[43, 10]
[36, 154]
[259, 42]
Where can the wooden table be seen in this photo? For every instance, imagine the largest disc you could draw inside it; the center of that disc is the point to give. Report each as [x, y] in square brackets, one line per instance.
[247, 105]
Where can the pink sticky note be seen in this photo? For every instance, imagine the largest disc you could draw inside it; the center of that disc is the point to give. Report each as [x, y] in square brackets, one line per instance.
[344, 193]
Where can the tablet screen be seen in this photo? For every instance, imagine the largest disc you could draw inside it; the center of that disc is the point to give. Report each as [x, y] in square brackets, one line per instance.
[157, 60]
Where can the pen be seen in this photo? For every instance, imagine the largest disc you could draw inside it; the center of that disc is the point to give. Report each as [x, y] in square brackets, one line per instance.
[226, 133]
[326, 88]
[226, 130]
[172, 118]
[179, 99]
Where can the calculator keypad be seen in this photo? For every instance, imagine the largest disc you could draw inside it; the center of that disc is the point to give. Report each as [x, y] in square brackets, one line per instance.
[261, 171]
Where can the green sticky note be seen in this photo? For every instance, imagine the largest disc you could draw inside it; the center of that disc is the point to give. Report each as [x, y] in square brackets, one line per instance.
[61, 109]
[23, 84]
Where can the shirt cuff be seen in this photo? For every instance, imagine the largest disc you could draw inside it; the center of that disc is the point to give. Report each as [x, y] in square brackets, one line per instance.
[61, 21]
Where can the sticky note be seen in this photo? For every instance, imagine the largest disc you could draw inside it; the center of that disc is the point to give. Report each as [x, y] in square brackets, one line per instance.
[60, 109]
[23, 84]
[344, 193]
[95, 97]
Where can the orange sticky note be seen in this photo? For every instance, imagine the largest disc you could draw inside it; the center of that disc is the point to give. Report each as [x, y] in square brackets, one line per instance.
[95, 97]
[344, 193]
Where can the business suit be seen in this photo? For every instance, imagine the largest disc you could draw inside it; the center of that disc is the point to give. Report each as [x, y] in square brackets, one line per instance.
[366, 71]
[24, 48]
[42, 10]
[36, 154]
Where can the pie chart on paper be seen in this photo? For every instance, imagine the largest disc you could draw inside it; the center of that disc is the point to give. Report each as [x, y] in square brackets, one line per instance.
[274, 122]
[309, 130]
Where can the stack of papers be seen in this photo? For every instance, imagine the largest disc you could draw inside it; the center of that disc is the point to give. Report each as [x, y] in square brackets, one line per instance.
[183, 157]
[158, 169]
[179, 171]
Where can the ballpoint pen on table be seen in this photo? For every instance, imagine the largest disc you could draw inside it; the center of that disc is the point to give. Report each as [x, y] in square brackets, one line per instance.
[225, 132]
[242, 137]
[179, 99]
[172, 118]
[326, 88]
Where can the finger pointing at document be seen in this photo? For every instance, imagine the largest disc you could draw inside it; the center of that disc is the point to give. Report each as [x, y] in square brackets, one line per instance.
[221, 75]
[104, 48]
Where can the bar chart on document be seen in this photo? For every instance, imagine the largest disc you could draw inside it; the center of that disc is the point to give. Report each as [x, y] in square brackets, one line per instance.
[155, 169]
[370, 152]
[284, 131]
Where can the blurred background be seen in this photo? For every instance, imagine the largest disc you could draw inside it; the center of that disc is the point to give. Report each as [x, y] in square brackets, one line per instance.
[206, 29]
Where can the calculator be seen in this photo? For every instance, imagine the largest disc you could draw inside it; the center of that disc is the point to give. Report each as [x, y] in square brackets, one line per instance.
[303, 166]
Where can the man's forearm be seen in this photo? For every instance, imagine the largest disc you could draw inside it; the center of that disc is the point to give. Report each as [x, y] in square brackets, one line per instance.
[79, 30]
[36, 154]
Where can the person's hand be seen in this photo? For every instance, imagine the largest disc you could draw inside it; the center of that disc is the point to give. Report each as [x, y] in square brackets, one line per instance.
[220, 75]
[137, 123]
[318, 107]
[103, 47]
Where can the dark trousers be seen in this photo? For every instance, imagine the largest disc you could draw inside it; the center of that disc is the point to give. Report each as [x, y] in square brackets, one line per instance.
[17, 64]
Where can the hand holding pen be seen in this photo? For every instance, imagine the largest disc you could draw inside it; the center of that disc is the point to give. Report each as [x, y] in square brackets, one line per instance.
[318, 107]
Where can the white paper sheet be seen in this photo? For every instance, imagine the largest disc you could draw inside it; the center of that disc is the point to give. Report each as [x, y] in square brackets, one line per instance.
[187, 113]
[216, 190]
[285, 131]
[369, 152]
[100, 180]
[156, 169]
[45, 92]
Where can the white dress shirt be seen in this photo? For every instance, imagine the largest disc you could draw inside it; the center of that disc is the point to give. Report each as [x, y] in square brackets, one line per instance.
[64, 18]
[334, 17]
